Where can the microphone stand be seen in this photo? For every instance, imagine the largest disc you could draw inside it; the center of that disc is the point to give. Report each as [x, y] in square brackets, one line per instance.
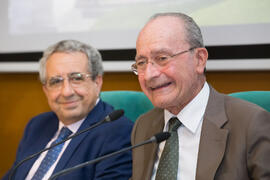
[157, 138]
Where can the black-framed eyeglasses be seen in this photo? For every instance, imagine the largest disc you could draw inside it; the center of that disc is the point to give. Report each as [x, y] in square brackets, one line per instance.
[75, 79]
[161, 60]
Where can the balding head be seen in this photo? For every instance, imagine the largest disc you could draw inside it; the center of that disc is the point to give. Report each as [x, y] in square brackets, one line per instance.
[192, 31]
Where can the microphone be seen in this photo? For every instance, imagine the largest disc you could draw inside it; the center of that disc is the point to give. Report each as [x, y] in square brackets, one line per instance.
[156, 138]
[111, 117]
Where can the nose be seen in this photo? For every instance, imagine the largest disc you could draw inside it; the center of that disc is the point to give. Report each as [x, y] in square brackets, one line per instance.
[151, 71]
[67, 89]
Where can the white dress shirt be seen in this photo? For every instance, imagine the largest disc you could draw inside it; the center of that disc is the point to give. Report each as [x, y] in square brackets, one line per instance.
[73, 127]
[189, 134]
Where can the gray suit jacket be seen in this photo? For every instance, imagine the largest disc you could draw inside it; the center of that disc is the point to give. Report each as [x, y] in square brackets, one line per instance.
[234, 144]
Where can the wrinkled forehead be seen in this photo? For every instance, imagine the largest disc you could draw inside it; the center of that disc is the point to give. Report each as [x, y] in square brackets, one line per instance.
[59, 63]
[163, 32]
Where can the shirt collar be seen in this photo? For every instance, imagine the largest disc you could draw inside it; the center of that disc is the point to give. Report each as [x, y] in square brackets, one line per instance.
[73, 127]
[193, 112]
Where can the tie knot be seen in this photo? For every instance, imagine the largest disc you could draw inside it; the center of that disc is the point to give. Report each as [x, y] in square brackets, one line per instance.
[174, 124]
[64, 133]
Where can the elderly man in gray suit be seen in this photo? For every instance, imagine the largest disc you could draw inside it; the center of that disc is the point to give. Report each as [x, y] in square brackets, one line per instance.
[213, 136]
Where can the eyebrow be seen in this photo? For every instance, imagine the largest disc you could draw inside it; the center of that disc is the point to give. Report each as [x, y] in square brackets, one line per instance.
[139, 57]
[61, 75]
[160, 51]
[154, 52]
[76, 73]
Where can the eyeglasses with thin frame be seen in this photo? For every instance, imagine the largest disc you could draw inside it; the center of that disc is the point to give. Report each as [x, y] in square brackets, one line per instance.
[161, 60]
[76, 79]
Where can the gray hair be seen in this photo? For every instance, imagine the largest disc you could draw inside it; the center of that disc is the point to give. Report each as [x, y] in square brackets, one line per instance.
[193, 32]
[69, 46]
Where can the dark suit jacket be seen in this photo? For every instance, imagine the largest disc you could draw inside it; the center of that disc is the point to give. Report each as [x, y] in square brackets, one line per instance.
[104, 139]
[234, 144]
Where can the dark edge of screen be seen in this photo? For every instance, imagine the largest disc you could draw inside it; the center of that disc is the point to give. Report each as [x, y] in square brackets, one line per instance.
[259, 51]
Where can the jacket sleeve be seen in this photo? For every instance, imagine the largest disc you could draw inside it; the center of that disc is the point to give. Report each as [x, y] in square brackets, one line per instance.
[19, 154]
[119, 166]
[258, 146]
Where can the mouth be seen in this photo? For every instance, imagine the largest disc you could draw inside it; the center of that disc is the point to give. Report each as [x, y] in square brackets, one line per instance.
[69, 104]
[160, 86]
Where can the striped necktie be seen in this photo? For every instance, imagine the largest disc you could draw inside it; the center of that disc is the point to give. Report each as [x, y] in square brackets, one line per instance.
[52, 155]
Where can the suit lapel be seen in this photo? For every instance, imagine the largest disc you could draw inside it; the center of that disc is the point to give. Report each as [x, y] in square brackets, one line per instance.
[151, 149]
[45, 135]
[213, 137]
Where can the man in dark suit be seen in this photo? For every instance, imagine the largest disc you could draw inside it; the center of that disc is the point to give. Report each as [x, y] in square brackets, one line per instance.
[71, 73]
[213, 136]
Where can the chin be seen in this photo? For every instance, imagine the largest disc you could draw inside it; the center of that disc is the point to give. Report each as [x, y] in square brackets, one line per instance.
[161, 103]
[164, 100]
[71, 115]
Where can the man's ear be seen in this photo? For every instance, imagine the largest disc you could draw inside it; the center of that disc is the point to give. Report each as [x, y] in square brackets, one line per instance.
[45, 90]
[99, 82]
[201, 56]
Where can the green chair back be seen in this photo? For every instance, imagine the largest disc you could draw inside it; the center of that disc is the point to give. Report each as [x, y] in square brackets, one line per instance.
[261, 98]
[134, 103]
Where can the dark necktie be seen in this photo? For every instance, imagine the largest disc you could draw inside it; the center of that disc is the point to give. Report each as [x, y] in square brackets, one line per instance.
[52, 155]
[168, 164]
